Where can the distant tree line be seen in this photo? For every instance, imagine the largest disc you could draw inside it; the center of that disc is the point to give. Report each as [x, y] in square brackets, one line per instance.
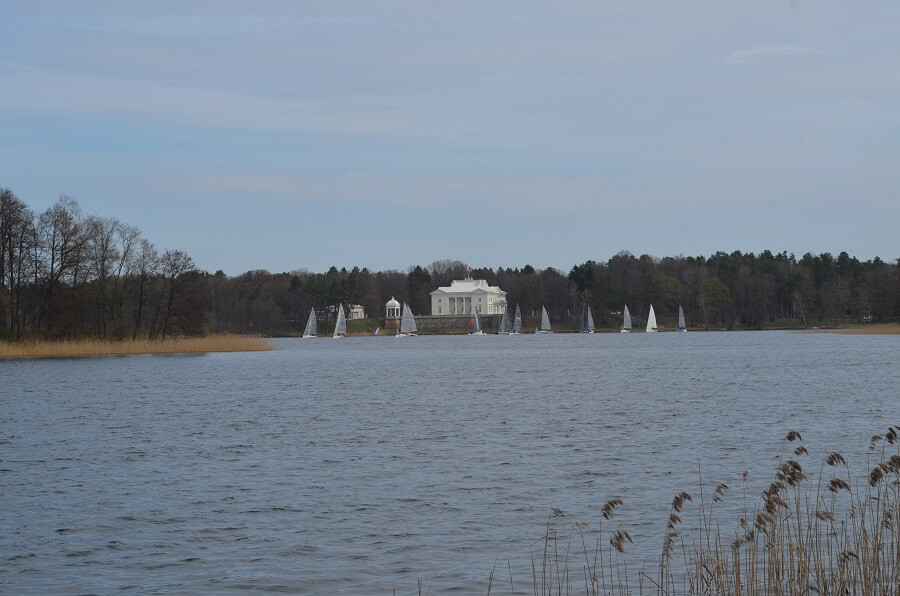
[64, 274]
[721, 291]
[744, 289]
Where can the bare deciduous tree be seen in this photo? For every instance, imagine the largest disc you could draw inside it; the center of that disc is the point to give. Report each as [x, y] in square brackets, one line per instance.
[174, 264]
[62, 240]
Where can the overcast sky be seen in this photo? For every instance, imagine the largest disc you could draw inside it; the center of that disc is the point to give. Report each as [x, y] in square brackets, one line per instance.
[288, 135]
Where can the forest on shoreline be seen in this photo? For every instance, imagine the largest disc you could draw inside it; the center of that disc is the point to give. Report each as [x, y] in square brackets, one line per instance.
[64, 274]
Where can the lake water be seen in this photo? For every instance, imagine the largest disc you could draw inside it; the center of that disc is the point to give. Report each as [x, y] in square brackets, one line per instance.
[364, 464]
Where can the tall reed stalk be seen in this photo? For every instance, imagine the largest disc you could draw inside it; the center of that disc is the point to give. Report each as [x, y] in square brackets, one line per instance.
[837, 535]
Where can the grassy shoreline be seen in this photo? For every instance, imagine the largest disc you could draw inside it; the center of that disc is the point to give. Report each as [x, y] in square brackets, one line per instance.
[367, 327]
[97, 347]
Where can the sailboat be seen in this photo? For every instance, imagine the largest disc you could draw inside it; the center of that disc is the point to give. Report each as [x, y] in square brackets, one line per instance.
[587, 320]
[517, 322]
[503, 329]
[478, 330]
[626, 321]
[545, 322]
[681, 325]
[651, 321]
[310, 330]
[340, 327]
[407, 323]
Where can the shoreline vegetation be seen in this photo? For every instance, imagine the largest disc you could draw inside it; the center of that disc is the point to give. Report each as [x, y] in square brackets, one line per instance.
[67, 348]
[94, 347]
[818, 528]
[64, 273]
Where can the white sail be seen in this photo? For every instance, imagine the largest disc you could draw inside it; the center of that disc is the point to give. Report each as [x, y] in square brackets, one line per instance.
[517, 321]
[340, 327]
[477, 330]
[310, 330]
[503, 328]
[626, 321]
[651, 321]
[412, 321]
[407, 322]
[545, 322]
[681, 325]
[587, 320]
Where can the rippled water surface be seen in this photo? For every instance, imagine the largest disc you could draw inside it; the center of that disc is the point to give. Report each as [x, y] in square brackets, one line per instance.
[367, 463]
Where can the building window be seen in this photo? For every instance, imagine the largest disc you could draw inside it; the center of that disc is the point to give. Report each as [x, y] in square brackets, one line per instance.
[479, 300]
[439, 309]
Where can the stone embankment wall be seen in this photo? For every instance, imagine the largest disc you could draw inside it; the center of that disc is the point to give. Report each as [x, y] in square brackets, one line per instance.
[435, 322]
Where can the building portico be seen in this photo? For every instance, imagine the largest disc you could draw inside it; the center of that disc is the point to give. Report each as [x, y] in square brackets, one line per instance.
[467, 296]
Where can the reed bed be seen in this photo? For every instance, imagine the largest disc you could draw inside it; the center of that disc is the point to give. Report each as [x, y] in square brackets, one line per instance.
[835, 532]
[95, 347]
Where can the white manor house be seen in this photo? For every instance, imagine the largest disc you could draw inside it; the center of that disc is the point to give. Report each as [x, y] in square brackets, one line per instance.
[466, 296]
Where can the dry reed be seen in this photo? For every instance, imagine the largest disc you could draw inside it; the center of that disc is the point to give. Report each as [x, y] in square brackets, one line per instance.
[94, 347]
[839, 534]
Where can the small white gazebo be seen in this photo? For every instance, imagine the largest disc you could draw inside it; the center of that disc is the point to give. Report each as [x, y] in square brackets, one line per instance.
[392, 309]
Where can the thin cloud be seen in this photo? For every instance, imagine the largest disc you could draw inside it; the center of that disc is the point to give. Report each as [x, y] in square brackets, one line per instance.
[204, 25]
[771, 51]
